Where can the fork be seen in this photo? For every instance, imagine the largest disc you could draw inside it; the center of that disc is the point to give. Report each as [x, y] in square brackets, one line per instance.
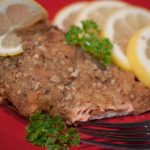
[122, 136]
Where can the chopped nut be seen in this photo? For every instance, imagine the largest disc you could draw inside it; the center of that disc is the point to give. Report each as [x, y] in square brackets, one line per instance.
[6, 62]
[98, 74]
[67, 87]
[48, 63]
[68, 97]
[61, 87]
[36, 85]
[31, 69]
[20, 61]
[18, 74]
[42, 48]
[39, 38]
[35, 60]
[36, 43]
[70, 69]
[2, 90]
[105, 72]
[87, 61]
[19, 91]
[75, 73]
[1, 80]
[132, 96]
[62, 62]
[104, 88]
[36, 56]
[55, 79]
[25, 75]
[112, 81]
[95, 67]
[7, 86]
[118, 90]
[97, 91]
[94, 84]
[99, 84]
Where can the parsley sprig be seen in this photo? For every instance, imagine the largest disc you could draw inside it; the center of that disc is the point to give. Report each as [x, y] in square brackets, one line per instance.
[88, 37]
[51, 133]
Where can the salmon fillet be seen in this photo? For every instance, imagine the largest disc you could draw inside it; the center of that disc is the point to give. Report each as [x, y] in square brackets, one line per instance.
[56, 78]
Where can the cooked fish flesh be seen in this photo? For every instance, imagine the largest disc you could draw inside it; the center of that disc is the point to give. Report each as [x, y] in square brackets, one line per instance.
[56, 78]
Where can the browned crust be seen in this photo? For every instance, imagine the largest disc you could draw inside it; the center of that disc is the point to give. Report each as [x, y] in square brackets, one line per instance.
[54, 77]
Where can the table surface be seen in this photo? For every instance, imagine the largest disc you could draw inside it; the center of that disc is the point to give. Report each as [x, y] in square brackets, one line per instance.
[12, 126]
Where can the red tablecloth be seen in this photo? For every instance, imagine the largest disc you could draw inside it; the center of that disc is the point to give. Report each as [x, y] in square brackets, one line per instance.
[54, 5]
[12, 126]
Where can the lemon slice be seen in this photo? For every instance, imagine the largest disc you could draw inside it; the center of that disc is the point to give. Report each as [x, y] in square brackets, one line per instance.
[66, 16]
[138, 52]
[10, 45]
[17, 15]
[99, 11]
[119, 28]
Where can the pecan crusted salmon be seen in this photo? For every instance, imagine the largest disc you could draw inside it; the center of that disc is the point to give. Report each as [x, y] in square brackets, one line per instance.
[54, 77]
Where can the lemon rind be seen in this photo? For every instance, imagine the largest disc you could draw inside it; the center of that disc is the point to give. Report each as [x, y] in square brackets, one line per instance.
[60, 16]
[133, 57]
[95, 5]
[43, 14]
[121, 61]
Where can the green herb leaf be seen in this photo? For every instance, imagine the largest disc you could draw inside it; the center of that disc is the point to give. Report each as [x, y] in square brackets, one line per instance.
[89, 26]
[88, 37]
[54, 147]
[73, 36]
[75, 139]
[51, 133]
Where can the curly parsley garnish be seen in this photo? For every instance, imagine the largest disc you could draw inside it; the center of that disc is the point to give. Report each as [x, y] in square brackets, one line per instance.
[88, 37]
[51, 133]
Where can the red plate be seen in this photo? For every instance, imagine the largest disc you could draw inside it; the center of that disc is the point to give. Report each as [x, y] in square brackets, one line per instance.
[12, 126]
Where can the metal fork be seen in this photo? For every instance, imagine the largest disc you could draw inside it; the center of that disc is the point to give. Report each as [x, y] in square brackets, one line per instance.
[126, 136]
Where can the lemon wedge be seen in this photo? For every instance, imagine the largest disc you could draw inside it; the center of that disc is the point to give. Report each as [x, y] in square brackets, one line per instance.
[66, 16]
[17, 15]
[99, 11]
[119, 28]
[138, 53]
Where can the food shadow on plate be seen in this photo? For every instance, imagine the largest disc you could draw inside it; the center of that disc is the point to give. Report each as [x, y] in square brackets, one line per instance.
[10, 110]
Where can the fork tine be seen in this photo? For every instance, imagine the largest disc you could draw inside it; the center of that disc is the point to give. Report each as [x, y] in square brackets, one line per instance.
[131, 136]
[144, 124]
[117, 138]
[119, 146]
[116, 132]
